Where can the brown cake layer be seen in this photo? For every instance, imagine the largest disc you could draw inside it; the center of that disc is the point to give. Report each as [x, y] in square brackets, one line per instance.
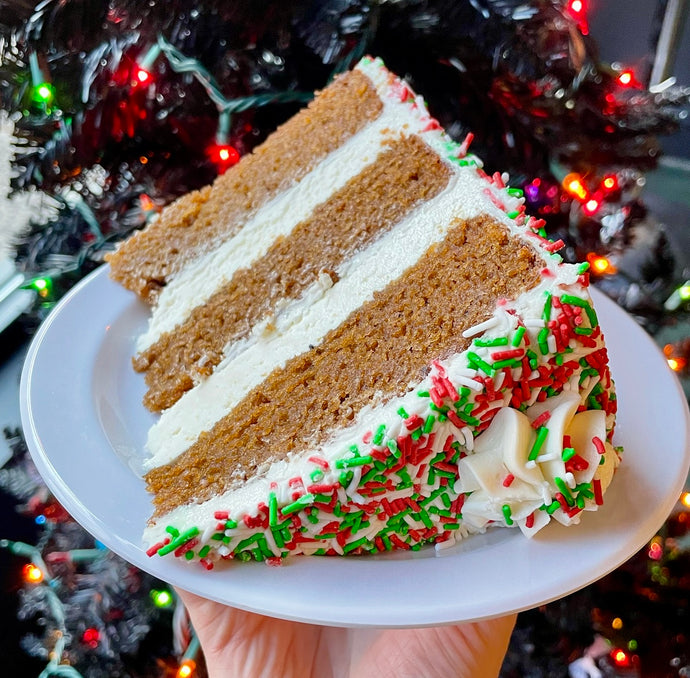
[203, 219]
[381, 348]
[402, 177]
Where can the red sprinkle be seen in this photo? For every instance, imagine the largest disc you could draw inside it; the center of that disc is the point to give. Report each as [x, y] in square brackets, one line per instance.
[596, 441]
[598, 495]
[275, 561]
[554, 246]
[205, 562]
[508, 355]
[154, 549]
[542, 419]
[508, 480]
[221, 515]
[366, 438]
[529, 521]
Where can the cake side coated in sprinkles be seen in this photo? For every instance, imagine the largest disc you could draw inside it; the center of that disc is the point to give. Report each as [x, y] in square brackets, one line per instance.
[449, 373]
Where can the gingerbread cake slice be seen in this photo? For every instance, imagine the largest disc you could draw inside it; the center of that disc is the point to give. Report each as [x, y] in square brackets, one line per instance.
[360, 342]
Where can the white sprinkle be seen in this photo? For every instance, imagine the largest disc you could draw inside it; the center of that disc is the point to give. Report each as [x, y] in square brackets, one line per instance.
[356, 477]
[224, 550]
[481, 327]
[443, 545]
[551, 343]
[470, 383]
[268, 534]
[534, 322]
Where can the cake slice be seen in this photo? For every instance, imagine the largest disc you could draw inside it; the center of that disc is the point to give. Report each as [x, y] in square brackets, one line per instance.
[360, 342]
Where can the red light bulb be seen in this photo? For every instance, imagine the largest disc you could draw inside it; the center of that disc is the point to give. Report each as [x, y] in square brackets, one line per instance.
[224, 155]
[590, 207]
[626, 78]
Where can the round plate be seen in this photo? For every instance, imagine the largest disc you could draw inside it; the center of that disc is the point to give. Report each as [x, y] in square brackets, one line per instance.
[85, 427]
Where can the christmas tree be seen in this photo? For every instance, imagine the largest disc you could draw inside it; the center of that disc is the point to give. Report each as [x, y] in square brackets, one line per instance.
[102, 126]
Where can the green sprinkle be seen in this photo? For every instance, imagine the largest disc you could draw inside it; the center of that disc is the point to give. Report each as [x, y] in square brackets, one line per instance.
[568, 453]
[451, 526]
[179, 541]
[546, 315]
[316, 475]
[386, 542]
[417, 434]
[564, 489]
[403, 413]
[559, 359]
[592, 315]
[278, 537]
[354, 449]
[429, 424]
[498, 341]
[583, 268]
[593, 403]
[423, 394]
[506, 514]
[230, 524]
[478, 363]
[516, 192]
[580, 501]
[226, 540]
[574, 301]
[553, 507]
[514, 215]
[517, 337]
[583, 330]
[424, 517]
[345, 478]
[172, 531]
[541, 340]
[217, 536]
[539, 441]
[272, 509]
[509, 362]
[189, 555]
[354, 461]
[395, 450]
[378, 436]
[204, 551]
[303, 501]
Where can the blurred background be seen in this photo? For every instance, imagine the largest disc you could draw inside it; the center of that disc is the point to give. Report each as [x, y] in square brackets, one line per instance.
[110, 111]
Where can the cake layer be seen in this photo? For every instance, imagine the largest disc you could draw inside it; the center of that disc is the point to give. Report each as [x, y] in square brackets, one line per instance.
[146, 262]
[369, 204]
[381, 348]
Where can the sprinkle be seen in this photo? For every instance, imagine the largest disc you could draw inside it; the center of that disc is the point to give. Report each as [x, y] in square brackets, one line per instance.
[403, 413]
[272, 509]
[378, 436]
[179, 541]
[596, 441]
[297, 505]
[322, 463]
[554, 246]
[508, 355]
[529, 521]
[508, 480]
[155, 548]
[481, 327]
[429, 424]
[478, 363]
[517, 337]
[546, 315]
[598, 495]
[568, 453]
[565, 491]
[541, 419]
[221, 515]
[353, 461]
[542, 340]
[498, 341]
[506, 514]
[539, 441]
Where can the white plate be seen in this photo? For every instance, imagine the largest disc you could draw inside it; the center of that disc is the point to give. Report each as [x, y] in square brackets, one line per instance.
[85, 427]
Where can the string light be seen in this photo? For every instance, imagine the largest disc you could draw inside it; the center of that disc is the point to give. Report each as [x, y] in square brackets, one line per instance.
[91, 637]
[32, 573]
[617, 624]
[620, 658]
[626, 78]
[591, 206]
[575, 186]
[600, 265]
[685, 499]
[161, 598]
[578, 10]
[187, 668]
[610, 182]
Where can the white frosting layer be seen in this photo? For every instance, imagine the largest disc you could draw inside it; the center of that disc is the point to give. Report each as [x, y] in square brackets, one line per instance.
[306, 321]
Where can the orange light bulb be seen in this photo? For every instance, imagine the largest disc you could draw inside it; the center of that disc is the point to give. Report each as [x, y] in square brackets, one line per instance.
[187, 668]
[33, 574]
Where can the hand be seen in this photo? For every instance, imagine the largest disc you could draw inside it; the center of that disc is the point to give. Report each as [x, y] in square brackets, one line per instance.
[247, 645]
